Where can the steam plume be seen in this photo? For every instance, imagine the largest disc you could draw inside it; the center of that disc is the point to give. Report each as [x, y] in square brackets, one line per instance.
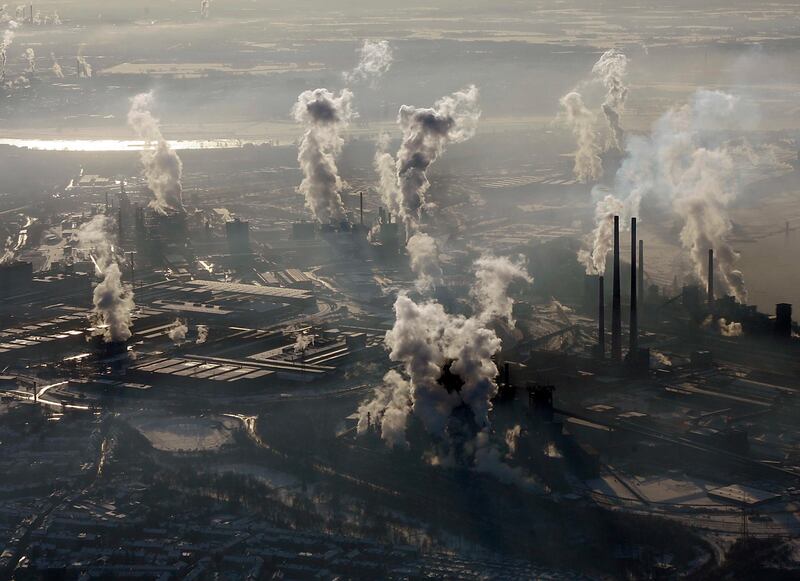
[30, 58]
[732, 329]
[205, 8]
[8, 38]
[113, 303]
[177, 332]
[426, 135]
[493, 276]
[601, 239]
[386, 168]
[388, 409]
[302, 342]
[375, 60]
[56, 67]
[162, 166]
[424, 257]
[611, 69]
[588, 165]
[202, 334]
[8, 251]
[324, 116]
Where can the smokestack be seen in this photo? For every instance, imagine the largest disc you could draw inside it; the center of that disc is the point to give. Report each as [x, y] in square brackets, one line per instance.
[119, 226]
[633, 327]
[640, 272]
[711, 278]
[601, 317]
[616, 306]
[507, 374]
[106, 201]
[361, 206]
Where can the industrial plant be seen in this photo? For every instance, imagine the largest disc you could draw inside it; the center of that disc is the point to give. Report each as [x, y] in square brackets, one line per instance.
[436, 292]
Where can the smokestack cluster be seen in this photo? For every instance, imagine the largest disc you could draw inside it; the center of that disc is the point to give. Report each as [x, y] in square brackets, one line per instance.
[162, 166]
[616, 304]
[113, 302]
[375, 60]
[324, 116]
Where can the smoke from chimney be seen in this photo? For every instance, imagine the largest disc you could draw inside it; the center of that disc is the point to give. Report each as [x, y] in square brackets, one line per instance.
[177, 332]
[375, 60]
[423, 256]
[202, 334]
[386, 168]
[601, 239]
[426, 134]
[8, 39]
[493, 277]
[324, 116]
[611, 69]
[588, 165]
[162, 166]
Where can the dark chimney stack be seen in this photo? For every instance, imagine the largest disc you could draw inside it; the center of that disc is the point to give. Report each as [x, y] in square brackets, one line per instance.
[616, 305]
[361, 206]
[633, 345]
[640, 272]
[711, 278]
[601, 317]
[783, 320]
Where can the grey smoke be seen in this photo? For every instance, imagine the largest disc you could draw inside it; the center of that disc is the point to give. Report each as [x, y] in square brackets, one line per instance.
[57, 71]
[375, 60]
[601, 240]
[588, 165]
[426, 134]
[493, 277]
[611, 69]
[324, 116]
[423, 256]
[177, 332]
[162, 166]
[113, 302]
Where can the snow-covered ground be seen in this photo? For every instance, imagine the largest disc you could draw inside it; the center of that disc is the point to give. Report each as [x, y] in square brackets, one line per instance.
[184, 433]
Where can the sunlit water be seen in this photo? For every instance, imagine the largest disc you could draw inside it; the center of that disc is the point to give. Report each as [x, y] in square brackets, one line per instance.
[122, 145]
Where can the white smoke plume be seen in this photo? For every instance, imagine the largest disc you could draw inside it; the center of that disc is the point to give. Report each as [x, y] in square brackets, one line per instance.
[303, 341]
[177, 332]
[56, 68]
[611, 69]
[423, 256]
[375, 60]
[324, 116]
[8, 38]
[202, 334]
[162, 166]
[388, 409]
[601, 240]
[684, 163]
[588, 165]
[493, 277]
[8, 251]
[30, 58]
[205, 8]
[426, 134]
[84, 69]
[386, 168]
[113, 302]
[732, 329]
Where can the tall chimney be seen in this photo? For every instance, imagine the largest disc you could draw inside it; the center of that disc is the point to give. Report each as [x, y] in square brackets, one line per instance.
[633, 327]
[711, 278]
[616, 306]
[601, 317]
[640, 272]
[361, 206]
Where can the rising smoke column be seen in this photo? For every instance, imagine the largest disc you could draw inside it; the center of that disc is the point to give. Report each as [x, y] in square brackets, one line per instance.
[56, 68]
[426, 134]
[8, 38]
[375, 60]
[177, 332]
[386, 168]
[388, 409]
[202, 334]
[113, 302]
[162, 166]
[324, 116]
[588, 165]
[205, 8]
[688, 167]
[423, 254]
[30, 58]
[493, 277]
[611, 69]
[599, 243]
